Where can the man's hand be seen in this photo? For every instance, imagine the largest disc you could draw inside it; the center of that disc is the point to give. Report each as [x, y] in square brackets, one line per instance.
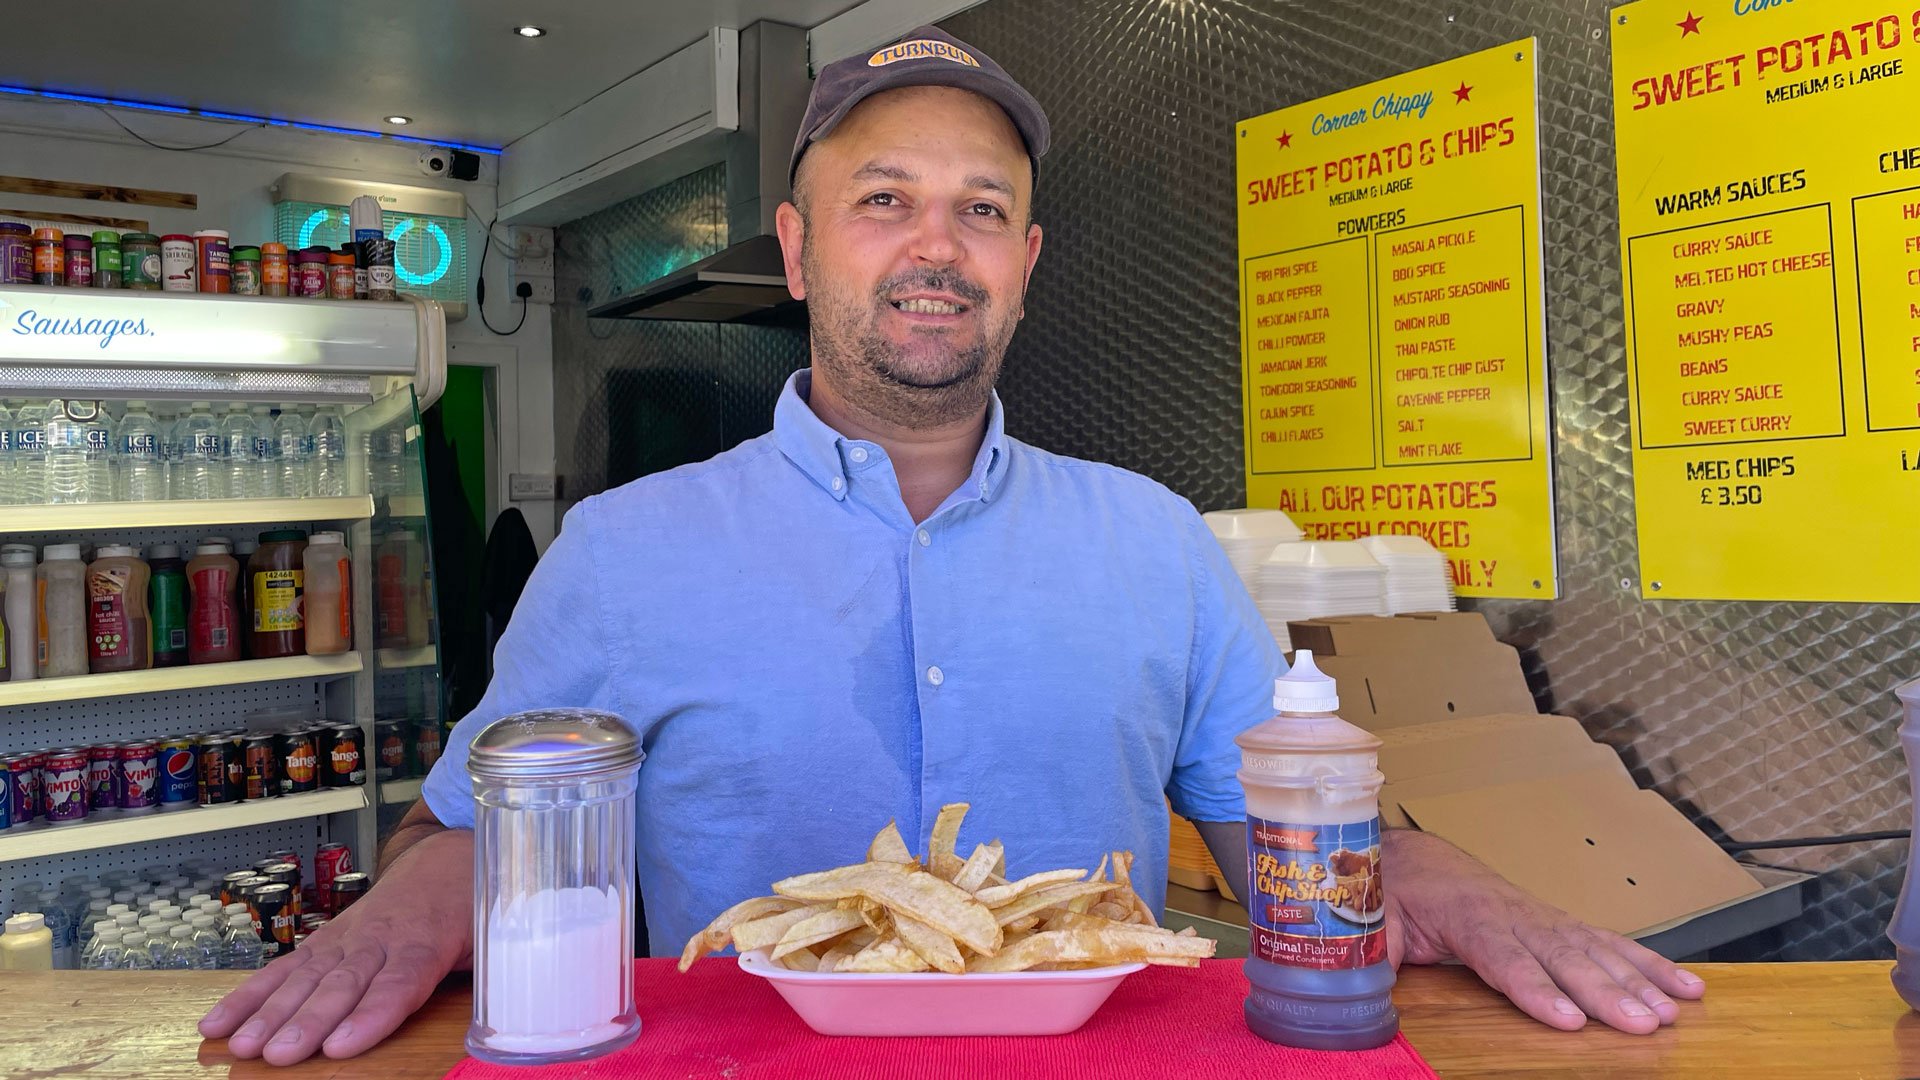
[1443, 904]
[354, 980]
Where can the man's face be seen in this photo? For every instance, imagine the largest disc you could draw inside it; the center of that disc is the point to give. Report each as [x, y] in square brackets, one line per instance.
[913, 250]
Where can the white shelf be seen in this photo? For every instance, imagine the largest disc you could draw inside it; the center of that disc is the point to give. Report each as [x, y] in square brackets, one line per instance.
[393, 792]
[83, 517]
[391, 659]
[191, 677]
[39, 839]
[407, 506]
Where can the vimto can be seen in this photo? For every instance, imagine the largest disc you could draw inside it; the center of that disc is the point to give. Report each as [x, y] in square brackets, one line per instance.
[23, 788]
[179, 774]
[139, 778]
[6, 794]
[103, 778]
[63, 779]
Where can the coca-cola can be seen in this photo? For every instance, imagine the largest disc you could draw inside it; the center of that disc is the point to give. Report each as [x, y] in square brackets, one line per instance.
[103, 778]
[329, 862]
[63, 781]
[139, 777]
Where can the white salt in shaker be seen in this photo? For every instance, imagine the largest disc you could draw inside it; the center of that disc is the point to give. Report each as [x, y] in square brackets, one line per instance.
[553, 887]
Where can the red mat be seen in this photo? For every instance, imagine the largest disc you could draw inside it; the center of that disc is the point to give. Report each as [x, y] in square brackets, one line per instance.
[719, 1021]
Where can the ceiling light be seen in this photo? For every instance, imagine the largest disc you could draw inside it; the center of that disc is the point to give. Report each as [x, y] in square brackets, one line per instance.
[399, 121]
[530, 31]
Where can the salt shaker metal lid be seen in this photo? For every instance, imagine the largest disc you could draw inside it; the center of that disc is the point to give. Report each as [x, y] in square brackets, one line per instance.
[553, 743]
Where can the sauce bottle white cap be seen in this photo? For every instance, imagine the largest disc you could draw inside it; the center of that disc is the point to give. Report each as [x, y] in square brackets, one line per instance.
[1304, 688]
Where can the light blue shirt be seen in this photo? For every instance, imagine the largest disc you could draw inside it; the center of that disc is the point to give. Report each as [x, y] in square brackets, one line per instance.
[1061, 644]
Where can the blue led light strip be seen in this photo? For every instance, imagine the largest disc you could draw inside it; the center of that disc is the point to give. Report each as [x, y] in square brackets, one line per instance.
[145, 106]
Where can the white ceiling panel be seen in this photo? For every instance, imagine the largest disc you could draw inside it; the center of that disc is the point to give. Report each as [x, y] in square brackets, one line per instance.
[454, 66]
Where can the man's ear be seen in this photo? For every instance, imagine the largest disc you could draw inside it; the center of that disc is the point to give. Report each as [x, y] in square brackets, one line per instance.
[792, 229]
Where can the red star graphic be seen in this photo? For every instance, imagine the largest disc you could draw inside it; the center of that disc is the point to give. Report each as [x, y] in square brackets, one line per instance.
[1689, 25]
[1461, 95]
[1285, 139]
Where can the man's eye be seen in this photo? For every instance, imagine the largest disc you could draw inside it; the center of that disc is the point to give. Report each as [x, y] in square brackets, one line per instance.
[987, 210]
[881, 198]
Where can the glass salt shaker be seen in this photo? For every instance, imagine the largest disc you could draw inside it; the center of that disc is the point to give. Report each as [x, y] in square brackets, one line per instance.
[553, 881]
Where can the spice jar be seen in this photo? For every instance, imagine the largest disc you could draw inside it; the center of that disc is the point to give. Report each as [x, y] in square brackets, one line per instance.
[79, 268]
[274, 270]
[553, 886]
[107, 266]
[49, 257]
[16, 254]
[339, 276]
[246, 271]
[140, 261]
[312, 265]
[214, 260]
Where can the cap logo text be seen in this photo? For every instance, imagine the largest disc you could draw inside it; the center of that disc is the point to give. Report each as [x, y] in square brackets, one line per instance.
[921, 49]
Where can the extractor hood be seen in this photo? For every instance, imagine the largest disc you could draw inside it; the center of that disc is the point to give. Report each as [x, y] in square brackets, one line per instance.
[747, 282]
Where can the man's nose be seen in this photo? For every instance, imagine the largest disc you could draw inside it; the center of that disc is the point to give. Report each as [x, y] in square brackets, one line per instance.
[936, 238]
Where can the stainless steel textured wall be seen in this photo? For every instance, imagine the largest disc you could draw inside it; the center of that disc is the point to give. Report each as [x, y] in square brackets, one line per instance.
[1758, 720]
[634, 397]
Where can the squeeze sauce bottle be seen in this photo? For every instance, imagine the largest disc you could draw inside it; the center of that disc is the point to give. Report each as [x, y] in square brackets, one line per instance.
[1317, 958]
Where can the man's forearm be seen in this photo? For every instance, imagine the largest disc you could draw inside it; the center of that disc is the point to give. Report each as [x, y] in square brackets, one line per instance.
[1227, 842]
[403, 839]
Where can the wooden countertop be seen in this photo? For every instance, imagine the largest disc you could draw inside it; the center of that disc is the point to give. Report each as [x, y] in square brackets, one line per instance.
[1759, 1020]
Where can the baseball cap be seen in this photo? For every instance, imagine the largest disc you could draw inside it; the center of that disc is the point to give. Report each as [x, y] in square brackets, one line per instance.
[926, 56]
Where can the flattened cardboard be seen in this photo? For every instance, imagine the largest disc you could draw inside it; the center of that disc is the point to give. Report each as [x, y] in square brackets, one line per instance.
[1415, 669]
[1588, 757]
[1589, 843]
[1452, 745]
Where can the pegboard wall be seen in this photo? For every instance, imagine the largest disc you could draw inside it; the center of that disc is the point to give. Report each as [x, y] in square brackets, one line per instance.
[234, 850]
[153, 716]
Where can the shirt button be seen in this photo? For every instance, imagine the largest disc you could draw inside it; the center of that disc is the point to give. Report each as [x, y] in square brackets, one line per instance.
[838, 483]
[858, 454]
[925, 538]
[936, 676]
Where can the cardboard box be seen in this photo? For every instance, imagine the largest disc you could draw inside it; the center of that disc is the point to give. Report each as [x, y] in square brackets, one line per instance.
[1467, 757]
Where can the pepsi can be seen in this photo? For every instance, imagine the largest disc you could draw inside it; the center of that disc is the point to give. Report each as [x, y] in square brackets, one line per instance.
[139, 778]
[103, 773]
[179, 774]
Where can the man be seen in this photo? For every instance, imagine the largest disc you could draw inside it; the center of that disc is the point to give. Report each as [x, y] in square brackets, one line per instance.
[886, 604]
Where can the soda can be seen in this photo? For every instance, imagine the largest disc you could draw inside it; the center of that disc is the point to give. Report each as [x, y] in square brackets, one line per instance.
[63, 779]
[347, 888]
[230, 886]
[426, 738]
[179, 773]
[261, 758]
[6, 794]
[300, 762]
[313, 920]
[274, 911]
[216, 783]
[139, 777]
[260, 865]
[26, 787]
[390, 762]
[103, 778]
[286, 874]
[236, 763]
[329, 862]
[345, 764]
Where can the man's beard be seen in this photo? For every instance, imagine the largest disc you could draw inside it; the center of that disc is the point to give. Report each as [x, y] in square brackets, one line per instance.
[930, 380]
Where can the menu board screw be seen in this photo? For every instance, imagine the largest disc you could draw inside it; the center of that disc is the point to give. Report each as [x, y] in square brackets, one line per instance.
[1656, 586]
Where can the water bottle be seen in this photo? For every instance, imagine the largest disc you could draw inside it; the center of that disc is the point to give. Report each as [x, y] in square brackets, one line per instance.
[166, 422]
[200, 472]
[178, 954]
[329, 465]
[30, 453]
[66, 453]
[100, 430]
[6, 453]
[61, 927]
[95, 938]
[266, 451]
[209, 952]
[108, 955]
[140, 473]
[1317, 958]
[245, 950]
[136, 952]
[387, 461]
[237, 433]
[295, 441]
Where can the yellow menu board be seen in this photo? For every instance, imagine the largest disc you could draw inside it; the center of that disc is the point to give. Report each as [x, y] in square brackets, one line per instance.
[1392, 323]
[1769, 173]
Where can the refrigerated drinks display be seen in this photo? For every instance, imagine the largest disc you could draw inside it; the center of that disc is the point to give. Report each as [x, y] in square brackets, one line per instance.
[178, 470]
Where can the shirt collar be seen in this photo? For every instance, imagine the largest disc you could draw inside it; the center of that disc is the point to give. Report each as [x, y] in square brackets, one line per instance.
[822, 453]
